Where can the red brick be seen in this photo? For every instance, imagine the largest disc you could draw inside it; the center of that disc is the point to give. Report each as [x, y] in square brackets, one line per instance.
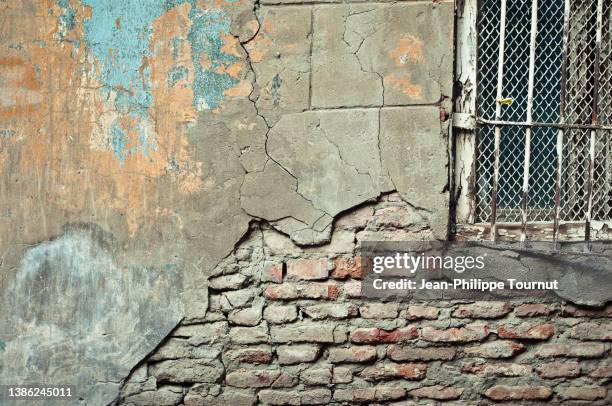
[551, 370]
[251, 355]
[331, 310]
[533, 310]
[391, 370]
[362, 353]
[285, 380]
[422, 312]
[592, 331]
[379, 311]
[399, 353]
[379, 336]
[257, 378]
[471, 332]
[482, 310]
[502, 392]
[352, 289]
[497, 369]
[286, 291]
[527, 331]
[308, 269]
[495, 349]
[348, 267]
[602, 371]
[369, 395]
[437, 392]
[573, 311]
[579, 350]
[582, 392]
[272, 273]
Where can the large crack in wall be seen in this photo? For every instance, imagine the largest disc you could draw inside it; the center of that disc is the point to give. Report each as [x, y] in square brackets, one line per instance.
[209, 116]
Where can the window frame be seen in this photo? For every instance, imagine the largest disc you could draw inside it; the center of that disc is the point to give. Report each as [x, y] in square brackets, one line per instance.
[465, 121]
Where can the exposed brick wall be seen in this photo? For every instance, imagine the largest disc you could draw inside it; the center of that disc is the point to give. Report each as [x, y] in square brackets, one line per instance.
[287, 325]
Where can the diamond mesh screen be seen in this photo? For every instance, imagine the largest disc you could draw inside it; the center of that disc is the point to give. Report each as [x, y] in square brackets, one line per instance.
[584, 81]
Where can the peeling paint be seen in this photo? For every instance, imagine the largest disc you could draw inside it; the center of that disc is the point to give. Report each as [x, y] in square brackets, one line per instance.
[206, 39]
[176, 74]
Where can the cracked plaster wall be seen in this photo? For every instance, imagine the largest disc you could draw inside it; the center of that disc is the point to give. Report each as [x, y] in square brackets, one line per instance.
[144, 137]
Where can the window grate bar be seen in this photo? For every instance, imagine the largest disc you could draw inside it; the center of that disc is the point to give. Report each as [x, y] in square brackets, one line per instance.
[594, 119]
[500, 78]
[562, 129]
[532, 56]
[561, 125]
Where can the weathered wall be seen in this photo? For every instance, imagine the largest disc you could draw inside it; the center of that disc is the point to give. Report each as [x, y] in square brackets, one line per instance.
[289, 325]
[148, 146]
[139, 139]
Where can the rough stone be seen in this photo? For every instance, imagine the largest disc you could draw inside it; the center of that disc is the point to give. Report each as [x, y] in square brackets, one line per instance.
[592, 331]
[580, 350]
[582, 392]
[495, 349]
[386, 371]
[471, 332]
[379, 311]
[246, 317]
[552, 370]
[276, 314]
[437, 392]
[331, 310]
[502, 392]
[312, 290]
[296, 354]
[249, 335]
[303, 332]
[400, 353]
[187, 371]
[527, 331]
[378, 336]
[422, 312]
[316, 376]
[347, 268]
[308, 269]
[483, 310]
[250, 355]
[533, 310]
[368, 395]
[225, 282]
[354, 354]
[272, 273]
[251, 378]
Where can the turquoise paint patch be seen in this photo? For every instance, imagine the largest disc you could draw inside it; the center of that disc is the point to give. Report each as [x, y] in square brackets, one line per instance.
[2, 345]
[118, 141]
[205, 37]
[67, 20]
[119, 35]
[176, 43]
[176, 73]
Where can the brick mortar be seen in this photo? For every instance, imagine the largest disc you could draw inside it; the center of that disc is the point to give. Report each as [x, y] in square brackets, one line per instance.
[336, 348]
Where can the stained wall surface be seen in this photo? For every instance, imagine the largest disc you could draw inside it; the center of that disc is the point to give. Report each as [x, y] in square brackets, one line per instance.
[147, 146]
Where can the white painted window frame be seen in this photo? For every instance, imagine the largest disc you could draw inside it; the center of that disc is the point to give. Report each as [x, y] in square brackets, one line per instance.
[465, 122]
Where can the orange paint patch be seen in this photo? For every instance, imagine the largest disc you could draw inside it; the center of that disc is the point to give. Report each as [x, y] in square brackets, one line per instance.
[405, 86]
[243, 89]
[56, 159]
[409, 50]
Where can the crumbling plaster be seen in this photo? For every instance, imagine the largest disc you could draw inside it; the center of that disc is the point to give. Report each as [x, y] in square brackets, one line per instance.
[207, 117]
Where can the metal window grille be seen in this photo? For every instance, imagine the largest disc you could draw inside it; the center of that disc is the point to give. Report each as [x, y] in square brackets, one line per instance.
[543, 113]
